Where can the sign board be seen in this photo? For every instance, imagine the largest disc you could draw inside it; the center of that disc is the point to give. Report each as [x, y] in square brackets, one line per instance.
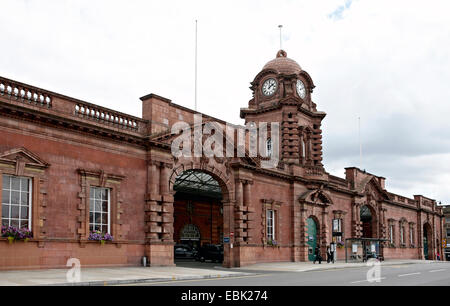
[226, 239]
[373, 248]
[354, 248]
[232, 234]
[190, 232]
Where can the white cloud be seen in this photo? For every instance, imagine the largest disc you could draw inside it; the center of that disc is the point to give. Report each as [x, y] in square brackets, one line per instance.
[386, 62]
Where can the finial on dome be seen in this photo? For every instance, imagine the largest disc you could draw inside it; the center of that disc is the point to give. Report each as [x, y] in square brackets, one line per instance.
[281, 53]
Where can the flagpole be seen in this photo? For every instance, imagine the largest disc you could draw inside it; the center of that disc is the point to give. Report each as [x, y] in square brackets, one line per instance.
[196, 62]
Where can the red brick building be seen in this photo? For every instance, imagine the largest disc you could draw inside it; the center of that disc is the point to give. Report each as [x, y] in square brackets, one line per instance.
[68, 167]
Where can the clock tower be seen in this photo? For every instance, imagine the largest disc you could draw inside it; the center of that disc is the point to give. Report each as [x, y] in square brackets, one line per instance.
[282, 92]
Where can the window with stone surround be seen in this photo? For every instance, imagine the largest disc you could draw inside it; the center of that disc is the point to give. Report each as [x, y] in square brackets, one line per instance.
[99, 210]
[16, 201]
[411, 234]
[402, 231]
[271, 218]
[20, 163]
[100, 203]
[391, 233]
[337, 226]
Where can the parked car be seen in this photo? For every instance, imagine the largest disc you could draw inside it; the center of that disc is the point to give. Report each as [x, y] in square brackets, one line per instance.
[184, 251]
[211, 252]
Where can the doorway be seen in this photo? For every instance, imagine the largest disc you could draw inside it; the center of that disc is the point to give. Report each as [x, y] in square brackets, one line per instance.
[367, 219]
[312, 232]
[427, 242]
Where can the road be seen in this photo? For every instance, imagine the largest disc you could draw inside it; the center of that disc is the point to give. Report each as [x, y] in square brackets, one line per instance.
[427, 274]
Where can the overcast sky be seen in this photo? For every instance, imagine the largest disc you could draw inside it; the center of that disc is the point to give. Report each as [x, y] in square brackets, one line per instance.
[384, 61]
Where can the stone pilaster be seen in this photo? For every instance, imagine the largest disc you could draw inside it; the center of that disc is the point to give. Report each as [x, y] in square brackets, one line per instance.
[228, 227]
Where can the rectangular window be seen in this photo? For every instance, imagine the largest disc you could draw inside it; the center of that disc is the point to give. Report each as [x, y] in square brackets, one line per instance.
[411, 235]
[16, 201]
[448, 233]
[99, 210]
[271, 225]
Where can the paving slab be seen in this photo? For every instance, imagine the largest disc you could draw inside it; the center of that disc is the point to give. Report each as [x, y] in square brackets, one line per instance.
[111, 276]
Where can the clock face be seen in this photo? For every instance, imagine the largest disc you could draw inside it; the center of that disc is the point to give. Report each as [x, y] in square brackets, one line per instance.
[301, 90]
[269, 87]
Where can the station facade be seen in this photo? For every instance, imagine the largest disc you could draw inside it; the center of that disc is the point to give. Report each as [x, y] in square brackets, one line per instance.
[69, 167]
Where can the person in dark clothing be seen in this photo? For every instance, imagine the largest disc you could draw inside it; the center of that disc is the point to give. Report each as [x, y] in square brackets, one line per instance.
[328, 254]
[331, 255]
[317, 256]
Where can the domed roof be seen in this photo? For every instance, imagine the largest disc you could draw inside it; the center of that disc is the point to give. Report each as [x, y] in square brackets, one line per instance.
[283, 64]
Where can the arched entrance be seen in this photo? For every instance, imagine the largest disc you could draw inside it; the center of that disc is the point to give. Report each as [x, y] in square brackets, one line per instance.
[198, 215]
[313, 236]
[368, 220]
[427, 242]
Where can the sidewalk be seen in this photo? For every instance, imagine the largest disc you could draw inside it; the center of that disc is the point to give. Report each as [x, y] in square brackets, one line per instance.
[133, 275]
[111, 276]
[309, 266]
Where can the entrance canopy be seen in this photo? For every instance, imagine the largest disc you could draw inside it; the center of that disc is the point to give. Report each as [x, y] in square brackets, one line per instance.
[198, 183]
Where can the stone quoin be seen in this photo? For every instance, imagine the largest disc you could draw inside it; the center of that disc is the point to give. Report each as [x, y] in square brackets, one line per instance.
[69, 167]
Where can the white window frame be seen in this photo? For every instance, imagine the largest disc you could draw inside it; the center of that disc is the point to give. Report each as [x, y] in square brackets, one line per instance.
[109, 207]
[270, 216]
[30, 198]
[269, 147]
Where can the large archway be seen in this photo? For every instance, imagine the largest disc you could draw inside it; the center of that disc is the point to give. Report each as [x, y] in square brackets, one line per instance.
[369, 223]
[198, 217]
[427, 242]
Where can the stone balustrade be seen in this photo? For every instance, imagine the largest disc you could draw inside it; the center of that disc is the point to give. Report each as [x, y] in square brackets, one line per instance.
[105, 116]
[25, 94]
[32, 96]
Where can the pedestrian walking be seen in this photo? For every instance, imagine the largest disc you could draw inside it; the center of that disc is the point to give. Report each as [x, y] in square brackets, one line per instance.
[328, 254]
[332, 255]
[317, 256]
